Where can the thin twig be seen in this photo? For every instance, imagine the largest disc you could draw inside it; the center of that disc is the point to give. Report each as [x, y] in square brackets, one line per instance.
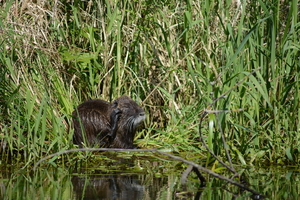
[185, 174]
[235, 86]
[208, 149]
[225, 146]
[188, 170]
[208, 110]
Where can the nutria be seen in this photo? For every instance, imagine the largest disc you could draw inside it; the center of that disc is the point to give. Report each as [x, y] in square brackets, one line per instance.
[110, 125]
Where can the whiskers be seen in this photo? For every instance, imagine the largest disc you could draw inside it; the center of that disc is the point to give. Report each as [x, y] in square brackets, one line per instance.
[133, 122]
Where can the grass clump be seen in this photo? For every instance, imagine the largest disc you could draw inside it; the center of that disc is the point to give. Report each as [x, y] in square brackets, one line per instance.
[173, 57]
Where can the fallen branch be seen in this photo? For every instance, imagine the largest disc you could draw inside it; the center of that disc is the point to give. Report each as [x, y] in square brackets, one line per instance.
[198, 167]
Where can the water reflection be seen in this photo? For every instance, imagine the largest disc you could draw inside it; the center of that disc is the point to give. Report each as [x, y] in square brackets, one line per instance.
[154, 181]
[107, 187]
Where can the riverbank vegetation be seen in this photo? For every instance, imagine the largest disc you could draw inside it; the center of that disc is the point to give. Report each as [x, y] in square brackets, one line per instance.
[174, 58]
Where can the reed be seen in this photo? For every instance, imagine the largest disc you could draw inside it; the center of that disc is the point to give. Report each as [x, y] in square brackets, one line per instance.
[175, 58]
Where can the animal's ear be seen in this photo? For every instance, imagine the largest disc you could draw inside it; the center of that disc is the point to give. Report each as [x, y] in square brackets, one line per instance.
[115, 103]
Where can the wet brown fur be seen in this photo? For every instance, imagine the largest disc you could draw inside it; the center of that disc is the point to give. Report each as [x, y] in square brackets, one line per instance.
[110, 125]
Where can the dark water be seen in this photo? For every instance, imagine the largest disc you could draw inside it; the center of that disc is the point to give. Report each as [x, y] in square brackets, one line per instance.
[138, 179]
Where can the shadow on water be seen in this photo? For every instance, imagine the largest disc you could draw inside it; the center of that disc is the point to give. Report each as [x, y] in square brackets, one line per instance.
[107, 187]
[143, 178]
[119, 180]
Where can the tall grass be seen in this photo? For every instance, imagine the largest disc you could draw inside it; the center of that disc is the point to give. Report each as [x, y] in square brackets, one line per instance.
[174, 58]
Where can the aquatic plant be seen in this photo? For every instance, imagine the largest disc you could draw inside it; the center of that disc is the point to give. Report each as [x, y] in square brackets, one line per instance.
[175, 58]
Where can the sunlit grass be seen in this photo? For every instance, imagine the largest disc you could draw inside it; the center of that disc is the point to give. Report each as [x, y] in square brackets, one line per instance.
[173, 58]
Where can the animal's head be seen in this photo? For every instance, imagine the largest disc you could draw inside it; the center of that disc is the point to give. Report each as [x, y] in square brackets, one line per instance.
[131, 114]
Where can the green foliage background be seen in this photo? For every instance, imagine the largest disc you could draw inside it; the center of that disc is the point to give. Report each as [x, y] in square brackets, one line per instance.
[174, 58]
